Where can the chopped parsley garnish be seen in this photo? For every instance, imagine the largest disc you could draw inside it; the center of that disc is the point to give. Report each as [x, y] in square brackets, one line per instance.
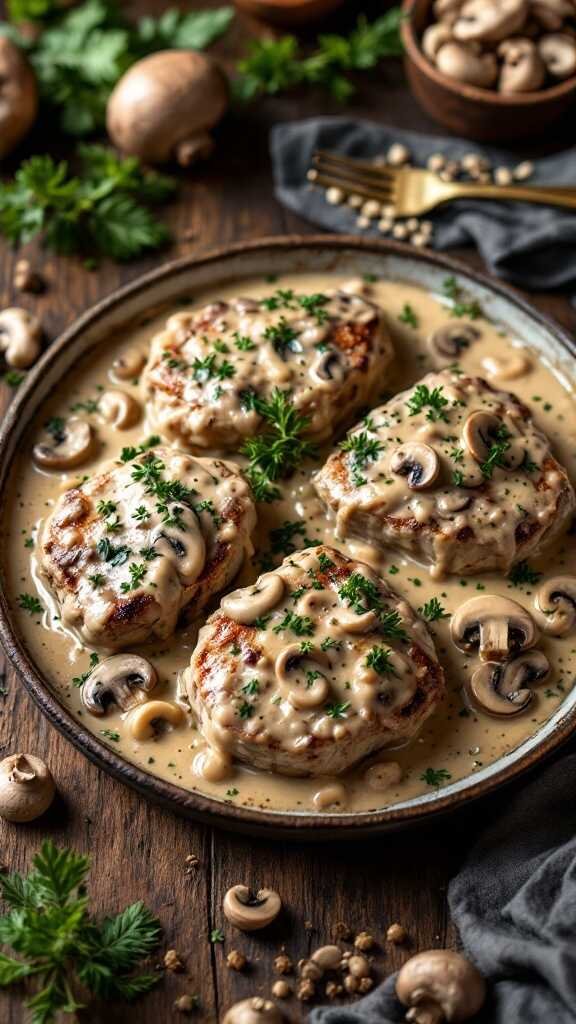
[207, 368]
[130, 453]
[97, 579]
[29, 542]
[306, 647]
[458, 478]
[251, 688]
[30, 604]
[459, 306]
[329, 642]
[283, 337]
[246, 710]
[521, 574]
[80, 680]
[149, 554]
[498, 449]
[279, 449]
[141, 514]
[106, 508]
[110, 734]
[362, 449]
[261, 622]
[137, 574]
[13, 379]
[301, 625]
[217, 935]
[89, 406]
[408, 316]
[379, 659]
[324, 563]
[232, 792]
[337, 710]
[435, 777]
[243, 343]
[363, 596]
[435, 399]
[433, 610]
[114, 555]
[56, 427]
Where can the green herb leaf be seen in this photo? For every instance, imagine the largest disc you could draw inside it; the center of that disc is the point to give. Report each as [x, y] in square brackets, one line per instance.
[433, 610]
[279, 448]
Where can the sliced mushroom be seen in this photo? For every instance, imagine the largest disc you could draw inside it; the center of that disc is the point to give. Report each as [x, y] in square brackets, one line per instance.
[558, 53]
[550, 14]
[254, 1010]
[496, 625]
[556, 603]
[418, 463]
[20, 336]
[122, 680]
[481, 431]
[250, 911]
[451, 502]
[523, 69]
[489, 21]
[503, 689]
[249, 603]
[129, 364]
[434, 37]
[327, 368]
[119, 409]
[301, 676]
[145, 717]
[461, 62]
[185, 548]
[73, 445]
[451, 339]
[439, 985]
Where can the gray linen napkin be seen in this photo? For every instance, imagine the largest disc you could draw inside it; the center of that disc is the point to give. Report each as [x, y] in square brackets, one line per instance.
[514, 904]
[533, 247]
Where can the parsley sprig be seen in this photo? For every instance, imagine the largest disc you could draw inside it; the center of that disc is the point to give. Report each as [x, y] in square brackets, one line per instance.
[434, 398]
[278, 65]
[280, 448]
[363, 595]
[102, 212]
[498, 448]
[362, 450]
[460, 305]
[61, 946]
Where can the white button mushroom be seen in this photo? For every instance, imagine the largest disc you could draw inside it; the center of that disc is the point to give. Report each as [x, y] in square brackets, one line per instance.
[119, 409]
[496, 625]
[440, 985]
[18, 96]
[72, 445]
[20, 332]
[26, 787]
[559, 54]
[164, 107]
[250, 911]
[254, 1010]
[523, 70]
[456, 60]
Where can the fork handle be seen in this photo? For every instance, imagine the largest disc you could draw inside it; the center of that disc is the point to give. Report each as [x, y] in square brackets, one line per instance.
[565, 197]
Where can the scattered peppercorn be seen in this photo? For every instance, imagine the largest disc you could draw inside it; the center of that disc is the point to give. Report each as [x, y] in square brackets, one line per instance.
[283, 964]
[364, 941]
[396, 933]
[172, 961]
[365, 984]
[281, 989]
[235, 960]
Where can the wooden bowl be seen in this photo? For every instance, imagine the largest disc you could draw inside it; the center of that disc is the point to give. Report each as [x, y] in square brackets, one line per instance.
[194, 275]
[471, 112]
[290, 13]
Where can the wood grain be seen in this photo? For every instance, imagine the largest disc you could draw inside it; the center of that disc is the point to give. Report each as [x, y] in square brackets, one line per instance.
[138, 850]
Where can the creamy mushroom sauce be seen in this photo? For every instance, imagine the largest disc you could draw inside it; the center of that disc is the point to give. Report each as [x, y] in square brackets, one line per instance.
[455, 739]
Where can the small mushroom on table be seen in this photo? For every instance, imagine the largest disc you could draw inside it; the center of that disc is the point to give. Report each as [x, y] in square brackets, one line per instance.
[122, 681]
[556, 605]
[26, 787]
[71, 445]
[503, 689]
[249, 911]
[440, 985]
[20, 334]
[497, 626]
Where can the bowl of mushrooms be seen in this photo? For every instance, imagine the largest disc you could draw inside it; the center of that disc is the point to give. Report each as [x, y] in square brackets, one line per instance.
[492, 70]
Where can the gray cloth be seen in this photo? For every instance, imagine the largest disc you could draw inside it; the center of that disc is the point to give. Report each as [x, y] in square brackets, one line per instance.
[534, 247]
[514, 904]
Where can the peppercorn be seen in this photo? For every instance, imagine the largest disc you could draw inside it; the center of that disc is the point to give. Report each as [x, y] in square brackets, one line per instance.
[306, 990]
[396, 933]
[235, 960]
[172, 961]
[364, 941]
[283, 964]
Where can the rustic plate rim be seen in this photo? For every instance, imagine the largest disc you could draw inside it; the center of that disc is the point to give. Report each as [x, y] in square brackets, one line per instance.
[196, 805]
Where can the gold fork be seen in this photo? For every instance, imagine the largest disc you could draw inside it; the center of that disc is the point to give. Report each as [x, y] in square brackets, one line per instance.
[412, 191]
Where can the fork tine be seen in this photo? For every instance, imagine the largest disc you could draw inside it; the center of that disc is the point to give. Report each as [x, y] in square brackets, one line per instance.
[383, 195]
[332, 161]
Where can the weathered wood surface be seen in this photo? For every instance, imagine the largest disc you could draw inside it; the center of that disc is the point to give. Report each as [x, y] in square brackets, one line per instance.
[139, 850]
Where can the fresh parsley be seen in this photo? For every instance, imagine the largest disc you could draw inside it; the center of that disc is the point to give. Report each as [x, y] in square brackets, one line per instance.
[379, 659]
[434, 399]
[61, 946]
[301, 625]
[362, 450]
[81, 679]
[337, 710]
[277, 65]
[460, 306]
[102, 212]
[409, 316]
[363, 595]
[521, 574]
[435, 777]
[498, 448]
[279, 448]
[432, 610]
[29, 604]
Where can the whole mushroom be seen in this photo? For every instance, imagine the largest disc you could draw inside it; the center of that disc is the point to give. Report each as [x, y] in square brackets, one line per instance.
[254, 1010]
[558, 53]
[462, 63]
[550, 14]
[18, 96]
[26, 787]
[489, 21]
[250, 911]
[20, 334]
[440, 985]
[523, 69]
[434, 37]
[165, 106]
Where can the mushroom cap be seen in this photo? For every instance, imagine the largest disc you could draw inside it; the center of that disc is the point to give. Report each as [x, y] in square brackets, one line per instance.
[489, 21]
[301, 677]
[26, 787]
[418, 462]
[502, 689]
[254, 1010]
[448, 341]
[558, 52]
[249, 603]
[165, 102]
[444, 980]
[18, 96]
[556, 603]
[434, 37]
[496, 625]
[123, 680]
[76, 445]
[523, 69]
[251, 911]
[20, 330]
[482, 430]
[456, 60]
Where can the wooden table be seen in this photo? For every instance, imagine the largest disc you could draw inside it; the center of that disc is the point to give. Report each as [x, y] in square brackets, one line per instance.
[138, 850]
